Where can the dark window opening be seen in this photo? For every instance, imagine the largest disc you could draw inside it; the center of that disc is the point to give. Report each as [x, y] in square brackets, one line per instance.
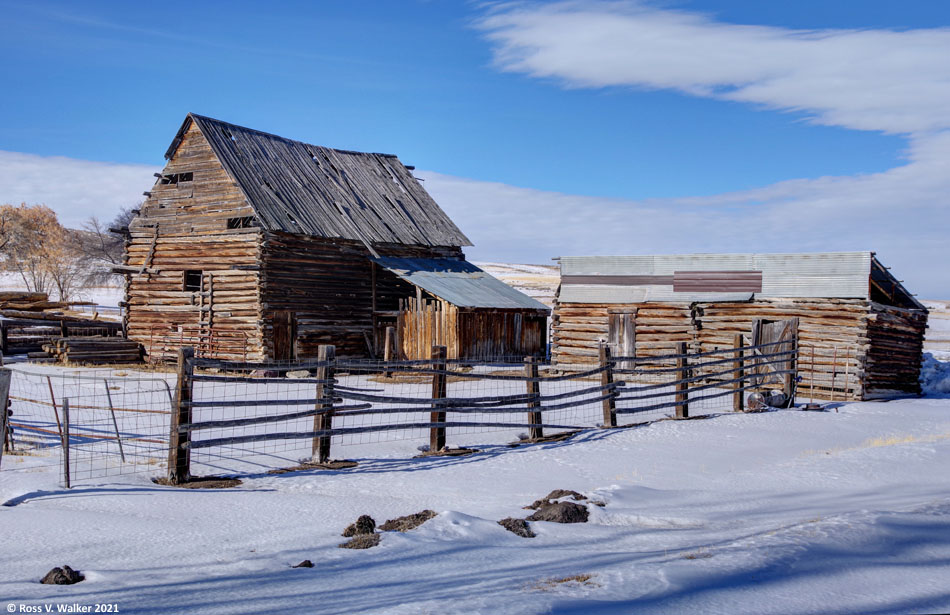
[177, 178]
[192, 281]
[243, 222]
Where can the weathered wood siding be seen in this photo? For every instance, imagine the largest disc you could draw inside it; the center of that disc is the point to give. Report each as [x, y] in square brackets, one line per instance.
[896, 348]
[848, 349]
[184, 227]
[476, 334]
[328, 285]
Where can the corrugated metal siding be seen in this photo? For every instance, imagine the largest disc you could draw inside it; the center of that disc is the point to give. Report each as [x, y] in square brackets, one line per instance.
[832, 274]
[459, 282]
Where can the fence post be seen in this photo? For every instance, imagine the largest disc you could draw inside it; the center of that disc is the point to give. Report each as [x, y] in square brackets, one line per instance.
[437, 434]
[4, 399]
[533, 389]
[52, 399]
[682, 387]
[388, 350]
[323, 421]
[738, 397]
[792, 377]
[66, 442]
[179, 457]
[607, 378]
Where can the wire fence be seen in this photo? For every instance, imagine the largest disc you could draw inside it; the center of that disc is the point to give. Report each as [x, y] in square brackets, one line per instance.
[117, 421]
[227, 417]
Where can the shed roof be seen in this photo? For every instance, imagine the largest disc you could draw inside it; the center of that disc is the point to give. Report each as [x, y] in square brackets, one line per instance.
[306, 189]
[724, 277]
[459, 282]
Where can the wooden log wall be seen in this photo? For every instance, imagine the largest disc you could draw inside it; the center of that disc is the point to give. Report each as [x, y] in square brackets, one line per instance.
[896, 349]
[327, 284]
[184, 226]
[482, 334]
[849, 349]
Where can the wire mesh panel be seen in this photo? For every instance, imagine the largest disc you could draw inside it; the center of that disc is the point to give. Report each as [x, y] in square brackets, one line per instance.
[117, 423]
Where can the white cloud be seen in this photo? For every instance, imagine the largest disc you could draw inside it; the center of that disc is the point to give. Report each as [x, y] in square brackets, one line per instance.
[901, 214]
[892, 81]
[74, 189]
[896, 82]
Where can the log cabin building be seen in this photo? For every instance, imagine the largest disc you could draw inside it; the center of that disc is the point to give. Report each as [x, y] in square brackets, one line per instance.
[860, 332]
[255, 247]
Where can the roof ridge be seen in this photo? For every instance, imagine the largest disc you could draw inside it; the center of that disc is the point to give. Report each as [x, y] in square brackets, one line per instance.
[282, 138]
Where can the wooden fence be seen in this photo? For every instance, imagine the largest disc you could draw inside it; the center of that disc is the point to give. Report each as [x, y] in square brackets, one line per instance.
[620, 386]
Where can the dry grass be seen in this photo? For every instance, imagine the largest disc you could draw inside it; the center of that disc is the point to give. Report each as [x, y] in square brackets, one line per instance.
[883, 441]
[574, 581]
[701, 553]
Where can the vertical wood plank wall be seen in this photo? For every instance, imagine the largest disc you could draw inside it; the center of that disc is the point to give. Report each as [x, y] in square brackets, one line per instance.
[477, 334]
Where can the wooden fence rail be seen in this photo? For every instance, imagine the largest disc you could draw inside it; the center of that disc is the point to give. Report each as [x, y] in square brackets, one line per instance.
[680, 384]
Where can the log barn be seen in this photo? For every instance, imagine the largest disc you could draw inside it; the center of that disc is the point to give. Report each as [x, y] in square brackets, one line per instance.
[255, 247]
[860, 331]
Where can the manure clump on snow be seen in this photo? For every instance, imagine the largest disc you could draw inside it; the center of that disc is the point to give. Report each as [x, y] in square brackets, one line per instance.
[364, 525]
[361, 541]
[557, 494]
[62, 576]
[519, 527]
[409, 522]
[561, 512]
[304, 564]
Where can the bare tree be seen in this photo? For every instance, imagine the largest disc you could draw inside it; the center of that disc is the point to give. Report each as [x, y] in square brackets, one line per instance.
[102, 248]
[45, 254]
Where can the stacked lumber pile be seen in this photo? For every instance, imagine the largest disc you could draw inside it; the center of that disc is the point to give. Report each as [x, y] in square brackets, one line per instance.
[37, 306]
[93, 350]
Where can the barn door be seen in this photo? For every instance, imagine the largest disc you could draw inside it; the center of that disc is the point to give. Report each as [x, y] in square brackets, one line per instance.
[770, 332]
[622, 336]
[285, 336]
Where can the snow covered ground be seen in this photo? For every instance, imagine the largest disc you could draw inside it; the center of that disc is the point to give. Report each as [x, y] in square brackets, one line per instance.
[845, 511]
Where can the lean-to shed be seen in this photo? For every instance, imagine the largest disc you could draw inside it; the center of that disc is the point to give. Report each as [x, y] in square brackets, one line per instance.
[253, 246]
[860, 331]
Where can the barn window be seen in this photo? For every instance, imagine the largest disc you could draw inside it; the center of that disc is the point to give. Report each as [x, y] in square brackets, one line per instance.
[242, 222]
[191, 280]
[177, 178]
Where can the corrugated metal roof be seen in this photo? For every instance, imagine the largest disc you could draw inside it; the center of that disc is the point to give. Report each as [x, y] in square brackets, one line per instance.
[830, 274]
[305, 189]
[459, 282]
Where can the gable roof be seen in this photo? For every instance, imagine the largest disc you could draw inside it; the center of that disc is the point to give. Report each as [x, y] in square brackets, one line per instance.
[306, 189]
[460, 283]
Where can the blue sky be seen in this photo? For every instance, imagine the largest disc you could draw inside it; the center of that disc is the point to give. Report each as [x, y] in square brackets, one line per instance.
[686, 116]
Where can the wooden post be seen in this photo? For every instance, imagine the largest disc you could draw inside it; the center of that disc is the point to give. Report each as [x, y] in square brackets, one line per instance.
[534, 389]
[66, 442]
[179, 456]
[738, 396]
[682, 388]
[4, 338]
[790, 378]
[324, 420]
[115, 423]
[388, 349]
[63, 329]
[4, 398]
[834, 372]
[607, 378]
[437, 434]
